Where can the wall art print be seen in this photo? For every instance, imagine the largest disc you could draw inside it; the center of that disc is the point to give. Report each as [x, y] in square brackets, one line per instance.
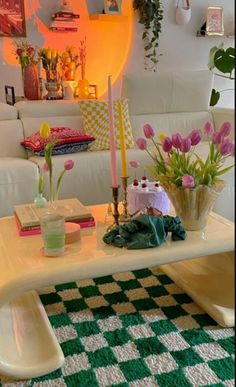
[12, 18]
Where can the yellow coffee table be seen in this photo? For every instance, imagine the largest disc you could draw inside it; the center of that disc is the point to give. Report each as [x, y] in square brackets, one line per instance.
[28, 346]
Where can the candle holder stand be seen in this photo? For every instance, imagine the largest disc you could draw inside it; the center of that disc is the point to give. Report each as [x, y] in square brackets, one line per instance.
[125, 217]
[115, 193]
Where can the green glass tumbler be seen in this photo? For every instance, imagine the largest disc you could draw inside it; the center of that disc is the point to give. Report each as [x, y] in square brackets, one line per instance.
[53, 234]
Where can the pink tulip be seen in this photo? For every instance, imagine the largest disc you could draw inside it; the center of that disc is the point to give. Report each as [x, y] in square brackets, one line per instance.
[232, 152]
[226, 147]
[45, 167]
[134, 163]
[188, 181]
[167, 144]
[148, 131]
[208, 128]
[141, 143]
[68, 165]
[185, 145]
[195, 136]
[225, 129]
[176, 140]
[216, 138]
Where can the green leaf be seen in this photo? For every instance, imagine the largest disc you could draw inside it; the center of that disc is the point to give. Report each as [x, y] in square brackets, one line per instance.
[215, 96]
[225, 60]
[222, 171]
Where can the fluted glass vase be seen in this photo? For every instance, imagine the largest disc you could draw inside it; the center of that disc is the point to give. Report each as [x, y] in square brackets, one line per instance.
[193, 205]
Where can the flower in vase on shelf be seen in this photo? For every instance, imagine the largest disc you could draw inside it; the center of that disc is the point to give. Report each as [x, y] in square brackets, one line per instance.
[45, 133]
[50, 59]
[25, 53]
[70, 61]
[184, 174]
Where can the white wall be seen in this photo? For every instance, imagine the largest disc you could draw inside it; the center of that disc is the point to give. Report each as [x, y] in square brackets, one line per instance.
[179, 46]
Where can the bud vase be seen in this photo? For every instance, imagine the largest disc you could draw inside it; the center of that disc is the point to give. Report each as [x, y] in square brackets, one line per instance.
[40, 201]
[193, 205]
[31, 82]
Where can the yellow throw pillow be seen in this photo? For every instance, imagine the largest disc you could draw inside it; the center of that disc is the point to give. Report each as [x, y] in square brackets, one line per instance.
[96, 122]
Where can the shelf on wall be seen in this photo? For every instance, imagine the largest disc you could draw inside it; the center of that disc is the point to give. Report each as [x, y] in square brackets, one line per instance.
[108, 17]
[199, 35]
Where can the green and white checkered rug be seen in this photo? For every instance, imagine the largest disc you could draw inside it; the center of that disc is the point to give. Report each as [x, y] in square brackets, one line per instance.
[134, 329]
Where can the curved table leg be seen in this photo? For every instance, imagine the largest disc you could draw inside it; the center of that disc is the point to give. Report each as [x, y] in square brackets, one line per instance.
[209, 281]
[28, 346]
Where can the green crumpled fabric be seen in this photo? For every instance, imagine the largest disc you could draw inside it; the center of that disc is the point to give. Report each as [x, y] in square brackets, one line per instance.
[145, 231]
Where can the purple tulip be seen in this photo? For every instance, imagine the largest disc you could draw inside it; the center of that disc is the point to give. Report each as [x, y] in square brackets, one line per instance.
[225, 129]
[45, 167]
[208, 128]
[188, 181]
[185, 145]
[134, 163]
[68, 165]
[216, 138]
[167, 144]
[141, 143]
[226, 147]
[195, 136]
[176, 140]
[148, 131]
[232, 150]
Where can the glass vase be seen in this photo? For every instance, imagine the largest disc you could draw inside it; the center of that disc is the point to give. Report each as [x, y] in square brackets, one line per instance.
[40, 201]
[193, 205]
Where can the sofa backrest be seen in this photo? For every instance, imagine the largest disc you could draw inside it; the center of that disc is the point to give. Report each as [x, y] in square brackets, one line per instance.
[56, 113]
[11, 132]
[169, 101]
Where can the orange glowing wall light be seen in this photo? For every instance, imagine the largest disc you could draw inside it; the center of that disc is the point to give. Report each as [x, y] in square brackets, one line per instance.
[108, 38]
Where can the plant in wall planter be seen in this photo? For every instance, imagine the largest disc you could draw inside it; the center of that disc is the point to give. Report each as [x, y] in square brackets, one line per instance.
[224, 62]
[151, 15]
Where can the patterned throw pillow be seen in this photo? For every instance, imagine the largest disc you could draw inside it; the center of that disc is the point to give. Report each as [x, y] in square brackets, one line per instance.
[96, 123]
[64, 135]
[63, 149]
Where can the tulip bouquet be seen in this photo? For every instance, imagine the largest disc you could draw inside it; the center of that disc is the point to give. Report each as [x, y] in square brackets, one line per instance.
[70, 62]
[176, 161]
[50, 59]
[45, 132]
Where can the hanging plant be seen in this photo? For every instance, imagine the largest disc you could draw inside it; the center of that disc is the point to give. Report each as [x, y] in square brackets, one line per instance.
[151, 15]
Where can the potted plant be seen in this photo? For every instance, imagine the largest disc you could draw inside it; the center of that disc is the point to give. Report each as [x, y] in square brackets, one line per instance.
[151, 15]
[224, 62]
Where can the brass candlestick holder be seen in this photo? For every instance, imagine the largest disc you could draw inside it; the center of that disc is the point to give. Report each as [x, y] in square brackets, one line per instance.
[115, 194]
[125, 217]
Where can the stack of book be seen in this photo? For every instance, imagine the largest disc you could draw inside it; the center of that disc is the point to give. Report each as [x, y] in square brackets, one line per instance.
[64, 20]
[28, 216]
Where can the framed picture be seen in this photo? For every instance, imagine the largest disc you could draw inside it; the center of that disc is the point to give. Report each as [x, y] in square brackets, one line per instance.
[112, 7]
[214, 23]
[10, 95]
[12, 18]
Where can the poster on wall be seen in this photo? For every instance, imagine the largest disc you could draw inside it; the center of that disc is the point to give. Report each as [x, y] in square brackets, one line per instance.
[112, 7]
[12, 18]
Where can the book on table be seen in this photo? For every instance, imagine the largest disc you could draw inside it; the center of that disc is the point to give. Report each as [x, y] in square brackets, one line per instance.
[28, 215]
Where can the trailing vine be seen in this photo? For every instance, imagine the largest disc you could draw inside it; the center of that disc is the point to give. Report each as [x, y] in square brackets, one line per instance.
[151, 15]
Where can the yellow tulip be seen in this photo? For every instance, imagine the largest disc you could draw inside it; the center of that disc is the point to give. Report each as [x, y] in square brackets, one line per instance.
[49, 54]
[54, 53]
[44, 130]
[162, 136]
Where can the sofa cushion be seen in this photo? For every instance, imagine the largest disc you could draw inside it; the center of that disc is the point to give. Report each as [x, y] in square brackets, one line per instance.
[18, 183]
[62, 135]
[168, 92]
[170, 123]
[63, 149]
[37, 109]
[7, 112]
[11, 134]
[96, 122]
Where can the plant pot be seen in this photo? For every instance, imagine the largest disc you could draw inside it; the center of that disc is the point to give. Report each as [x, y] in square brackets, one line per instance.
[53, 89]
[193, 205]
[31, 82]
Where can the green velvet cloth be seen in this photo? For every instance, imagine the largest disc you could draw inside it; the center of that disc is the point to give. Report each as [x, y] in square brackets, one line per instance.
[145, 231]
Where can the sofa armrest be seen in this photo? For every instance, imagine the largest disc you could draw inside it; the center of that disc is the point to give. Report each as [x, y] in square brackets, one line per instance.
[221, 115]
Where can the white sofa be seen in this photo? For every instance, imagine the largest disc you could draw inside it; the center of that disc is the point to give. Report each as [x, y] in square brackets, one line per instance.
[169, 101]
